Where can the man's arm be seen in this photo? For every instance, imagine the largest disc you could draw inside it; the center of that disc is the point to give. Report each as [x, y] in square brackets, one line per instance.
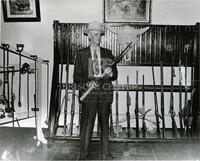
[78, 76]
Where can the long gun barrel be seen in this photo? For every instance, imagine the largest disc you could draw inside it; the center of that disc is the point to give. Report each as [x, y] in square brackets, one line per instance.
[128, 112]
[117, 110]
[66, 101]
[172, 113]
[72, 110]
[156, 104]
[144, 128]
[137, 107]
[180, 101]
[162, 99]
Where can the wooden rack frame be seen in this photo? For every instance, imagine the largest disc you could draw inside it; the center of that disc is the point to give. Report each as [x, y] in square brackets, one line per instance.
[151, 48]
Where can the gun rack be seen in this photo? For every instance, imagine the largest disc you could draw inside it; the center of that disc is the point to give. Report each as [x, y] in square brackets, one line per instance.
[155, 48]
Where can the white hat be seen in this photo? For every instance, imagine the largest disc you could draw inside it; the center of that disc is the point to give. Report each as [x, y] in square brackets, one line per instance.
[94, 25]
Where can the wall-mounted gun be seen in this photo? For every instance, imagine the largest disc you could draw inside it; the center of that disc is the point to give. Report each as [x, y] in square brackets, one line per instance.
[162, 98]
[156, 104]
[137, 107]
[72, 110]
[128, 99]
[180, 113]
[143, 112]
[171, 111]
[117, 110]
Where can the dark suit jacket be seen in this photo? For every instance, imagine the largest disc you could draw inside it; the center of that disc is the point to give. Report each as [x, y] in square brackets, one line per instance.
[82, 75]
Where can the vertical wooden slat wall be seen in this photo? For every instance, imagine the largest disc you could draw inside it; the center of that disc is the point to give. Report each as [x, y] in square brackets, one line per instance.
[152, 46]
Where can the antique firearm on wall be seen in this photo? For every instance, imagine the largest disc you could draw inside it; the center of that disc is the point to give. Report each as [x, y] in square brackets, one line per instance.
[162, 99]
[143, 112]
[137, 107]
[171, 111]
[72, 110]
[156, 104]
[128, 99]
[117, 109]
[187, 112]
[112, 134]
[180, 113]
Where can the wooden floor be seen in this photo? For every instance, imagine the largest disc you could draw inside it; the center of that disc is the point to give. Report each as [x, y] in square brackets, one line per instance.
[22, 146]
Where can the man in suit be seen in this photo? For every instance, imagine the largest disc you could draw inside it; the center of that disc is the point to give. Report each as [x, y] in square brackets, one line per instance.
[91, 63]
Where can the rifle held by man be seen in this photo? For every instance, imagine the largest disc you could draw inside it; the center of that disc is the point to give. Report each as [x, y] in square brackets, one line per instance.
[113, 63]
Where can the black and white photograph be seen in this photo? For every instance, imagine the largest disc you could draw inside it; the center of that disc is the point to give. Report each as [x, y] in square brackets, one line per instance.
[100, 80]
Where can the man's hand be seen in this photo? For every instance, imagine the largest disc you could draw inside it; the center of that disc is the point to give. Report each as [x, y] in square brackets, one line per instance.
[108, 71]
[92, 84]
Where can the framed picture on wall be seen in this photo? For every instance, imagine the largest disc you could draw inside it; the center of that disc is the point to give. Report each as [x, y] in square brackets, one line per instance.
[131, 11]
[21, 10]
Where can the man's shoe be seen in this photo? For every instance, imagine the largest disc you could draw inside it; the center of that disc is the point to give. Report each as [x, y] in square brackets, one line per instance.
[82, 156]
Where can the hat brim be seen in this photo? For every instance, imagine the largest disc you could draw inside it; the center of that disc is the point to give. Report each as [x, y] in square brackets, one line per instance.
[86, 31]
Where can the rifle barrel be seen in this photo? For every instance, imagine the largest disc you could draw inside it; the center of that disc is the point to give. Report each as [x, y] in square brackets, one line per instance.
[162, 99]
[144, 128]
[180, 100]
[128, 104]
[156, 105]
[172, 112]
[117, 110]
[137, 107]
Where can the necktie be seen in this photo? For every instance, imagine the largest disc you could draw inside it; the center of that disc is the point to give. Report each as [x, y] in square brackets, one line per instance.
[96, 69]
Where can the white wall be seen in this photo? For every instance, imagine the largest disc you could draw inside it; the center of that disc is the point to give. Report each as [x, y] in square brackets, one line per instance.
[0, 28]
[38, 36]
[175, 11]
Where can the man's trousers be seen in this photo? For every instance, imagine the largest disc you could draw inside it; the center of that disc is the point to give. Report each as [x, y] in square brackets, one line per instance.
[88, 114]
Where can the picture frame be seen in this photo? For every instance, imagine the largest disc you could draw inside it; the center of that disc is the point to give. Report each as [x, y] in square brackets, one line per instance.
[21, 10]
[127, 11]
